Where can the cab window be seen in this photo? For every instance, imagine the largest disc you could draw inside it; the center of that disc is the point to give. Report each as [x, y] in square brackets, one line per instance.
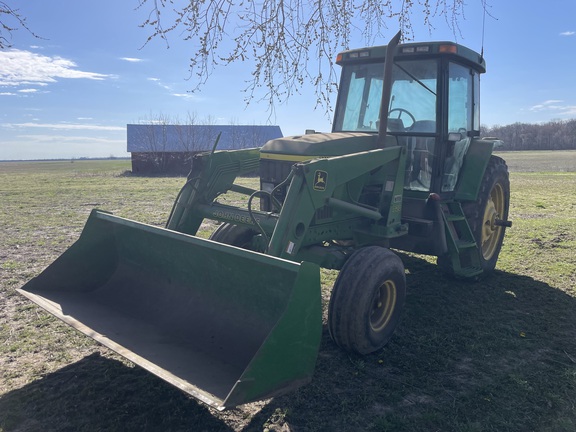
[463, 119]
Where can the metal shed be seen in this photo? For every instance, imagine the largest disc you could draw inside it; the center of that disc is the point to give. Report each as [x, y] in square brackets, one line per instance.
[168, 149]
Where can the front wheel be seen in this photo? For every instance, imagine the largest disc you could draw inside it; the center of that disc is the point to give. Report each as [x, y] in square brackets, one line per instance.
[234, 235]
[367, 300]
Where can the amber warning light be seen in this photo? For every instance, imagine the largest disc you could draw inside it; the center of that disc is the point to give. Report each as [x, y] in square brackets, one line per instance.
[448, 49]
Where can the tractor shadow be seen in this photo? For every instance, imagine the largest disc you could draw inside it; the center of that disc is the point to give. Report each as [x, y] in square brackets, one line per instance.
[99, 393]
[498, 354]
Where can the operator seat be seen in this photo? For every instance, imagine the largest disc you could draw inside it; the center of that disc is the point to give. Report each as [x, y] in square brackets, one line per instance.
[420, 155]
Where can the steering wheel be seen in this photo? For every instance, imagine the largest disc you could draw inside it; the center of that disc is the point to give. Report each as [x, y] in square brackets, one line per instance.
[400, 112]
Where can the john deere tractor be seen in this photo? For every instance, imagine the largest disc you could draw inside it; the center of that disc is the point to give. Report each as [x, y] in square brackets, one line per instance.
[238, 317]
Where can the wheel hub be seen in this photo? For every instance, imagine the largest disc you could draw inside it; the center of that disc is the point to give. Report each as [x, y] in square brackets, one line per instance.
[491, 231]
[383, 305]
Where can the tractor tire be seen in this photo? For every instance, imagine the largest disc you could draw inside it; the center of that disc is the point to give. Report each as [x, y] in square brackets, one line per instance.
[233, 235]
[367, 300]
[493, 203]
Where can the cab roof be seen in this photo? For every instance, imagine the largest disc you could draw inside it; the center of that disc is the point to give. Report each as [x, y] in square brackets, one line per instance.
[415, 50]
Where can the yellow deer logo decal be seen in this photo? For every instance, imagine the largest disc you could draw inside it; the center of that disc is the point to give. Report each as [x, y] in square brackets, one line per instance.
[320, 179]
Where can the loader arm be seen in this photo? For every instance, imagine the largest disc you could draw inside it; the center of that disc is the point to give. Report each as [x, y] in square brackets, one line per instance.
[212, 174]
[332, 185]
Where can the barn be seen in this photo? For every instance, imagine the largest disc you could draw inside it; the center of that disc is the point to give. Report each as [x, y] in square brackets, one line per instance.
[168, 149]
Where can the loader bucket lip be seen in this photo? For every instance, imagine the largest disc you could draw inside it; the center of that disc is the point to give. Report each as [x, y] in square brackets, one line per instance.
[274, 358]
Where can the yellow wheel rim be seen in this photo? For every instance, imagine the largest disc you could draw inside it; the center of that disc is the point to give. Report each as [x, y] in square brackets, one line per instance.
[383, 305]
[491, 233]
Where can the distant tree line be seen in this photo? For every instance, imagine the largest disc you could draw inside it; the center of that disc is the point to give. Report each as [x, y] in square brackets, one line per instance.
[554, 135]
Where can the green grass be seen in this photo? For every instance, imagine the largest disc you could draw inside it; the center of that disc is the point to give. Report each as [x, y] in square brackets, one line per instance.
[540, 161]
[495, 355]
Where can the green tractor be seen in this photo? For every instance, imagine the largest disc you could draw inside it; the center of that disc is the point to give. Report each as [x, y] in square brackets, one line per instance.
[238, 317]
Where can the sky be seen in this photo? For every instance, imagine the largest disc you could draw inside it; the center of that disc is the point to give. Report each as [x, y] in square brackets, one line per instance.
[70, 92]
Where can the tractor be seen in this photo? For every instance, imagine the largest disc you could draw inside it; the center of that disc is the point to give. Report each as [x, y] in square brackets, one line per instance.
[238, 317]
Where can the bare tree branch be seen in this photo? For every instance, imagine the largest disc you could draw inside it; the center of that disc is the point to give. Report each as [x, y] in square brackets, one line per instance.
[11, 21]
[288, 43]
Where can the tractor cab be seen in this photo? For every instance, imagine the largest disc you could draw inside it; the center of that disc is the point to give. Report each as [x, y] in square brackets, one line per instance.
[433, 110]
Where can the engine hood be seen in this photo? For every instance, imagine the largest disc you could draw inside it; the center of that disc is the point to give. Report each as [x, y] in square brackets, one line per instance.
[318, 145]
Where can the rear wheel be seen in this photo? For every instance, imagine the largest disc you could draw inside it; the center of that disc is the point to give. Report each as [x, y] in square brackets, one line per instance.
[367, 300]
[234, 235]
[492, 205]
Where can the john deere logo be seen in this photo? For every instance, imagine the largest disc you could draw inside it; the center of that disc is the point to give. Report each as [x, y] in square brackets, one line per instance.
[320, 179]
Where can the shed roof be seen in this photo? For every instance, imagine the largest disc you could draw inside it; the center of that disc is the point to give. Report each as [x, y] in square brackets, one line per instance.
[145, 138]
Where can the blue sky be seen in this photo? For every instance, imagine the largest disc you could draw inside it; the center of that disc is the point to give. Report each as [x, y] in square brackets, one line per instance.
[71, 93]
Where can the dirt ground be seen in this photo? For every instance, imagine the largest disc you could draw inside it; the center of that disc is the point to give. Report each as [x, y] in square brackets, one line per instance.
[493, 355]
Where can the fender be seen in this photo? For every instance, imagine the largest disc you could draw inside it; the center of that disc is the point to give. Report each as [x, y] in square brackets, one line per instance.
[473, 168]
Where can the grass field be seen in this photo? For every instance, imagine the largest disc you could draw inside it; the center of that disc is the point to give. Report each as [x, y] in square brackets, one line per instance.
[495, 355]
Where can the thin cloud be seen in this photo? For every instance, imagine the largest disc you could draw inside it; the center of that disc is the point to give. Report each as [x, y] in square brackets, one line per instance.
[18, 67]
[50, 146]
[159, 83]
[76, 139]
[65, 126]
[568, 33]
[555, 106]
[185, 95]
[173, 92]
[549, 104]
[132, 59]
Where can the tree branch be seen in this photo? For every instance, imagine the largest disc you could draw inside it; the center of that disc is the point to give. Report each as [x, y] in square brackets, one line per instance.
[288, 43]
[7, 15]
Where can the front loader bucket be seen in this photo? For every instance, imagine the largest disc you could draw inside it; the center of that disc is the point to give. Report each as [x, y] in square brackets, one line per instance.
[226, 325]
